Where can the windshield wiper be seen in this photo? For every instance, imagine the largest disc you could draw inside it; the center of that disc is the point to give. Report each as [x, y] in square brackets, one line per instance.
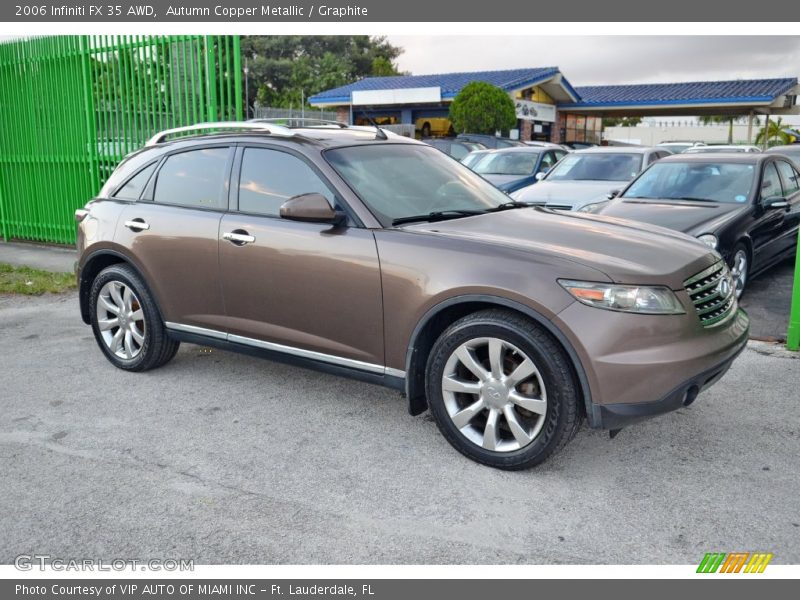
[513, 204]
[439, 215]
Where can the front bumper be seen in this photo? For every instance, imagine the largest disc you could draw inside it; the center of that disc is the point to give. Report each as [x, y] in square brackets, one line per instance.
[617, 416]
[639, 366]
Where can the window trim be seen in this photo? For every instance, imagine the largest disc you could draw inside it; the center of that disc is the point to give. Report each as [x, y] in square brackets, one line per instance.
[148, 195]
[759, 192]
[236, 179]
[786, 194]
[118, 189]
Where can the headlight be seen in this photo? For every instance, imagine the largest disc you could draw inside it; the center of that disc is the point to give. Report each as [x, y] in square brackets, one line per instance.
[709, 240]
[650, 300]
[593, 208]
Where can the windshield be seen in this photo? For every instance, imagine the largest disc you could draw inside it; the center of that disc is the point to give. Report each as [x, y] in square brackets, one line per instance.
[713, 150]
[711, 181]
[606, 166]
[473, 157]
[402, 180]
[676, 148]
[507, 163]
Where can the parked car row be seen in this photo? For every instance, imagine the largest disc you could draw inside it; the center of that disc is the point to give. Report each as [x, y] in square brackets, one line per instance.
[586, 177]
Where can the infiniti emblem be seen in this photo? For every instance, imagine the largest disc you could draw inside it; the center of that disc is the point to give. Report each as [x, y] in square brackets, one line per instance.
[494, 394]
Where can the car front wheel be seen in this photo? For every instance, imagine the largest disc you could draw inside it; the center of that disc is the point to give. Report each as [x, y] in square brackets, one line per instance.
[740, 268]
[126, 322]
[501, 390]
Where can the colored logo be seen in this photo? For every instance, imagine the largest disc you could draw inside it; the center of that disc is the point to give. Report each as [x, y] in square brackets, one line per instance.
[734, 562]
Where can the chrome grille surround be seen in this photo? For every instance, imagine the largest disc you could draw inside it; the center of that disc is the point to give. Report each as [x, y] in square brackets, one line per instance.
[713, 294]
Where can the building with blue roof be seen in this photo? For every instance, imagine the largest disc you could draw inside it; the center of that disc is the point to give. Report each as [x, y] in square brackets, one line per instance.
[424, 100]
[548, 106]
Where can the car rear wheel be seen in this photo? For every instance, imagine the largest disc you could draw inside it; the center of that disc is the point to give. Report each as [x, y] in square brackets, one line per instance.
[501, 390]
[126, 322]
[740, 268]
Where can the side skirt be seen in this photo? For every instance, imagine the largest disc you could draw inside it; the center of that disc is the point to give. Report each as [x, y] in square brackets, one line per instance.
[390, 381]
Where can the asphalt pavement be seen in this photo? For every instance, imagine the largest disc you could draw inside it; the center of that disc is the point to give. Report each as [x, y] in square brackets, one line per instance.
[224, 458]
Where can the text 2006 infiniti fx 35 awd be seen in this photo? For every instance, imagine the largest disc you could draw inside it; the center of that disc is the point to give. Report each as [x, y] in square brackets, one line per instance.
[370, 255]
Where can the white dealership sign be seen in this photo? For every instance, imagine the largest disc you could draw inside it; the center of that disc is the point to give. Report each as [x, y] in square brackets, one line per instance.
[535, 111]
[399, 96]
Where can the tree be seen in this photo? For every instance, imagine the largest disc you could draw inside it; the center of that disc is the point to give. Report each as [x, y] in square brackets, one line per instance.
[621, 121]
[284, 69]
[482, 108]
[775, 135]
[730, 120]
[383, 67]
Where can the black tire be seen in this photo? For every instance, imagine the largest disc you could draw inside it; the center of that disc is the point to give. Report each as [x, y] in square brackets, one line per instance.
[157, 349]
[563, 415]
[737, 249]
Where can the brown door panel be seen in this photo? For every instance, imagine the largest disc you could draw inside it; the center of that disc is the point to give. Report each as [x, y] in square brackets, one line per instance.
[303, 285]
[179, 253]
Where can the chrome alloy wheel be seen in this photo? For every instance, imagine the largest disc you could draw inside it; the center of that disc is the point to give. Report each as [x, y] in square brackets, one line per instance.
[120, 319]
[739, 271]
[494, 394]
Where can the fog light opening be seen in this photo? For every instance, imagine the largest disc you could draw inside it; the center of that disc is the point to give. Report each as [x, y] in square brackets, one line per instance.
[691, 394]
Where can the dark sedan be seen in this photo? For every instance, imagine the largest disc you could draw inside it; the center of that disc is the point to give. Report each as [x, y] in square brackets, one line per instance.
[511, 169]
[746, 206]
[792, 151]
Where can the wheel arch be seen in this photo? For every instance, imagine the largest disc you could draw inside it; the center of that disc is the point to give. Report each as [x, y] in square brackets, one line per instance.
[440, 316]
[91, 268]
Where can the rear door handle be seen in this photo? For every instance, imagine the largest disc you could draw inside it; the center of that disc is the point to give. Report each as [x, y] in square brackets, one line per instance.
[137, 225]
[239, 238]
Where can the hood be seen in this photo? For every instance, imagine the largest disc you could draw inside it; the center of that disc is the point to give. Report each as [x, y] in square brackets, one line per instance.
[627, 252]
[574, 194]
[693, 218]
[503, 181]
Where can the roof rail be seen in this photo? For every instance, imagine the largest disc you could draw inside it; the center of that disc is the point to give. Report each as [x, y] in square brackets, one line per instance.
[229, 125]
[300, 120]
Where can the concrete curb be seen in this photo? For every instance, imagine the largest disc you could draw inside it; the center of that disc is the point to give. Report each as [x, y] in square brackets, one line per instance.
[58, 259]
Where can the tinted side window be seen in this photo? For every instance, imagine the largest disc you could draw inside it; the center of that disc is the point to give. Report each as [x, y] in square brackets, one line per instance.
[771, 183]
[135, 186]
[193, 178]
[458, 151]
[270, 177]
[548, 160]
[788, 178]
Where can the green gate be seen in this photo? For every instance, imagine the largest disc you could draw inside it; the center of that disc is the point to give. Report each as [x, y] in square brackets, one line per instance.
[71, 107]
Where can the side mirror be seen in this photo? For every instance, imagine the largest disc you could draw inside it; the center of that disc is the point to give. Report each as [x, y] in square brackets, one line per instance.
[775, 202]
[612, 194]
[311, 208]
[540, 175]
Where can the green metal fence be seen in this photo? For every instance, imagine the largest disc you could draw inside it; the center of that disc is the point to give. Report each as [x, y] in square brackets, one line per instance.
[793, 335]
[71, 107]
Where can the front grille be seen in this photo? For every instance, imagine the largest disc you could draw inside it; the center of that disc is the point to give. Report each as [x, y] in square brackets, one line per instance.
[713, 294]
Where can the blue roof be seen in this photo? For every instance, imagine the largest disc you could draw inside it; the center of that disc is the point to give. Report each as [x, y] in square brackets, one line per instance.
[450, 83]
[695, 92]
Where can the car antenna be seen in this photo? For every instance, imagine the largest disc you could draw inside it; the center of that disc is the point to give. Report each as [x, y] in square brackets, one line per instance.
[380, 134]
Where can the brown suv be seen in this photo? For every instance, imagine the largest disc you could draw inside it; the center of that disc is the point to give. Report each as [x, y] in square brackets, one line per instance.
[370, 255]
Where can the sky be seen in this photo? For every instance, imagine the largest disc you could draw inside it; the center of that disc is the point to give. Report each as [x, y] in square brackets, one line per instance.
[594, 60]
[586, 60]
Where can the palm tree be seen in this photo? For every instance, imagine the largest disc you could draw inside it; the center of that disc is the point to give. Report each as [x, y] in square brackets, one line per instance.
[730, 120]
[775, 135]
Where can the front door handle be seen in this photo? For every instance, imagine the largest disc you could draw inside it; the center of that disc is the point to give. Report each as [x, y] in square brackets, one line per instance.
[238, 237]
[137, 225]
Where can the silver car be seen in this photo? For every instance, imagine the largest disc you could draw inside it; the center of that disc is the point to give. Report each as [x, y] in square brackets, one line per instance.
[585, 179]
